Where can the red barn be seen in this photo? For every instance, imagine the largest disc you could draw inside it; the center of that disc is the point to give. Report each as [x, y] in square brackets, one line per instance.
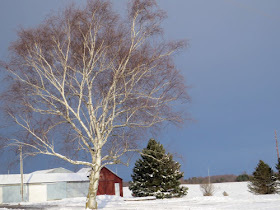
[109, 183]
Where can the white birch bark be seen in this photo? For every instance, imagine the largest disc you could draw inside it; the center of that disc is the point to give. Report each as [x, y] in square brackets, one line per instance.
[91, 202]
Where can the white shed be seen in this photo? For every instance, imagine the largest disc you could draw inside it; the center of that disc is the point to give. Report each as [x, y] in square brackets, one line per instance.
[43, 185]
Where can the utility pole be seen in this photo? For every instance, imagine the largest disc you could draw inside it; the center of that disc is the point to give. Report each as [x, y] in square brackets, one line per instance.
[21, 172]
[277, 145]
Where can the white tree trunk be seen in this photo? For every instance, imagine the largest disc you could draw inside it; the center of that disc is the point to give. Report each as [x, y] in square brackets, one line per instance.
[92, 191]
[93, 184]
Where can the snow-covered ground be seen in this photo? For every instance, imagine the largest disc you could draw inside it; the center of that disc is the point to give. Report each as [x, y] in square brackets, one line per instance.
[238, 198]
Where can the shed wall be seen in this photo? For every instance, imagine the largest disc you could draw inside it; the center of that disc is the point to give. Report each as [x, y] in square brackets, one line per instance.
[37, 193]
[11, 194]
[77, 189]
[107, 183]
[1, 200]
[56, 191]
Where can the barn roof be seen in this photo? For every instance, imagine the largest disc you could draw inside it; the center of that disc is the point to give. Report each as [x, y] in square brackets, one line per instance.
[87, 171]
[113, 172]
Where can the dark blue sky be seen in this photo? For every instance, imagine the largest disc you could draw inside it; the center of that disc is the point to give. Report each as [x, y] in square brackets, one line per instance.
[233, 66]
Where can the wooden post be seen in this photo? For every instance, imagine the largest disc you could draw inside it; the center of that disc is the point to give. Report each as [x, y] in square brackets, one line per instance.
[21, 173]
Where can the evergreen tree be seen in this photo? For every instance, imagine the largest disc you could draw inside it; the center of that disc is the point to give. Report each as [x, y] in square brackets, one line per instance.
[278, 176]
[263, 180]
[156, 174]
[243, 178]
[278, 170]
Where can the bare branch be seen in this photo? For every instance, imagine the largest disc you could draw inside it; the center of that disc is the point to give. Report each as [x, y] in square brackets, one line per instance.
[96, 77]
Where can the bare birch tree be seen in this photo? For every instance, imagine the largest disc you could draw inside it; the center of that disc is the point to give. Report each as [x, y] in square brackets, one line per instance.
[95, 77]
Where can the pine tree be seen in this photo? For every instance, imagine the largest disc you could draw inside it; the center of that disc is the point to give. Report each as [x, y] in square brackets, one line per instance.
[243, 177]
[278, 170]
[278, 176]
[263, 180]
[156, 174]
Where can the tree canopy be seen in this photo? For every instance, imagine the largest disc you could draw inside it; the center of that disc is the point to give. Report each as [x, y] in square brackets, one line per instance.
[86, 81]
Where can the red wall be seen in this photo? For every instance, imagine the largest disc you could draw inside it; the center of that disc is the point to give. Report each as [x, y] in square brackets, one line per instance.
[107, 182]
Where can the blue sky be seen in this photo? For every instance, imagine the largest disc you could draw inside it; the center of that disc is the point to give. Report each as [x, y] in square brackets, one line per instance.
[232, 65]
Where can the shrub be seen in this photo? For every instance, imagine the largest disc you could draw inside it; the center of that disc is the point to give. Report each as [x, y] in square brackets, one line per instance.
[225, 193]
[207, 189]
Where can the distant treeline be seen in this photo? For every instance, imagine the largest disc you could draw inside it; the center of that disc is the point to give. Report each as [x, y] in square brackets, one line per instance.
[217, 179]
[213, 179]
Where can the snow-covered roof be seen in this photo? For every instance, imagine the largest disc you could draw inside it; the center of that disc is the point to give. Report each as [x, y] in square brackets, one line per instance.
[42, 178]
[53, 170]
[84, 170]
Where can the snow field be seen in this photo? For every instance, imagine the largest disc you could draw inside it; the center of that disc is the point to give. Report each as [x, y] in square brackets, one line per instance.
[239, 199]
